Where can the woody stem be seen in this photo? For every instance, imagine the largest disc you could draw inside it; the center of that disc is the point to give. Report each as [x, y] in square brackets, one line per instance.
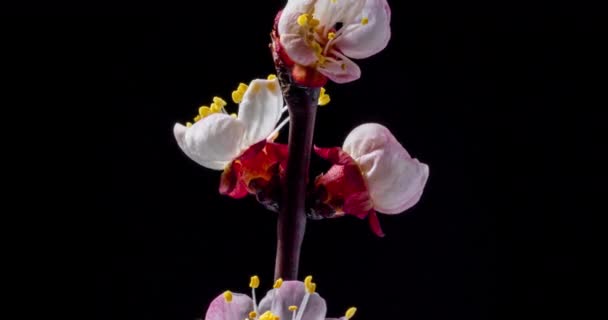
[302, 106]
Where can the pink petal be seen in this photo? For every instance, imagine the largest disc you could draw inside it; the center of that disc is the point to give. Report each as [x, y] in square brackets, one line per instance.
[291, 293]
[290, 36]
[340, 69]
[395, 180]
[237, 309]
[360, 41]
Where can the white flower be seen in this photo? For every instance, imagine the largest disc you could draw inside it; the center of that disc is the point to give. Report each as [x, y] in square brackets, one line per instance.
[324, 34]
[218, 138]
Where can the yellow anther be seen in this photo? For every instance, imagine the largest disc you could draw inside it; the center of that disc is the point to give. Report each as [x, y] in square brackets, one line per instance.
[314, 23]
[197, 118]
[204, 111]
[317, 47]
[219, 101]
[268, 316]
[276, 317]
[334, 1]
[311, 287]
[242, 87]
[350, 312]
[228, 296]
[233, 115]
[364, 21]
[278, 283]
[303, 20]
[237, 96]
[254, 282]
[331, 35]
[322, 91]
[324, 100]
[215, 108]
[271, 77]
[307, 281]
[253, 315]
[343, 66]
[188, 124]
[293, 308]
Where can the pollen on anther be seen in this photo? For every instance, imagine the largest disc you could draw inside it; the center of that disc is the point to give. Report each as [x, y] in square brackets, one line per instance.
[272, 76]
[253, 315]
[343, 66]
[255, 282]
[278, 283]
[228, 296]
[293, 308]
[350, 312]
[188, 124]
[303, 20]
[364, 21]
[331, 35]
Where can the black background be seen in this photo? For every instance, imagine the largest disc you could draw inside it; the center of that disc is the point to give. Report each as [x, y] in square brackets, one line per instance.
[502, 106]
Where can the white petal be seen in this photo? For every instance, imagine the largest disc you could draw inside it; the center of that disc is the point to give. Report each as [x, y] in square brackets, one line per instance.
[213, 141]
[260, 110]
[340, 70]
[360, 41]
[290, 33]
[395, 180]
[297, 49]
[331, 12]
[292, 293]
[237, 309]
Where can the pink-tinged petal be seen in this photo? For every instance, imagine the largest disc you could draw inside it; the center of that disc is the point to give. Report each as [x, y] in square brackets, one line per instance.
[297, 49]
[340, 69]
[291, 293]
[237, 309]
[359, 40]
[260, 110]
[212, 142]
[291, 38]
[395, 180]
[330, 12]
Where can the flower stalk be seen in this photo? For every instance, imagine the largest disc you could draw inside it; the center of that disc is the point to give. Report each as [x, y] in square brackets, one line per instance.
[302, 106]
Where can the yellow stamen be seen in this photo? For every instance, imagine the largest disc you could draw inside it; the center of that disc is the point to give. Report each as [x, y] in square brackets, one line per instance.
[293, 308]
[278, 283]
[269, 316]
[255, 282]
[219, 101]
[204, 111]
[233, 115]
[324, 100]
[364, 21]
[323, 91]
[253, 315]
[350, 312]
[331, 35]
[303, 20]
[311, 287]
[215, 108]
[228, 296]
[237, 96]
[271, 77]
[242, 87]
[197, 118]
[314, 23]
[188, 124]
